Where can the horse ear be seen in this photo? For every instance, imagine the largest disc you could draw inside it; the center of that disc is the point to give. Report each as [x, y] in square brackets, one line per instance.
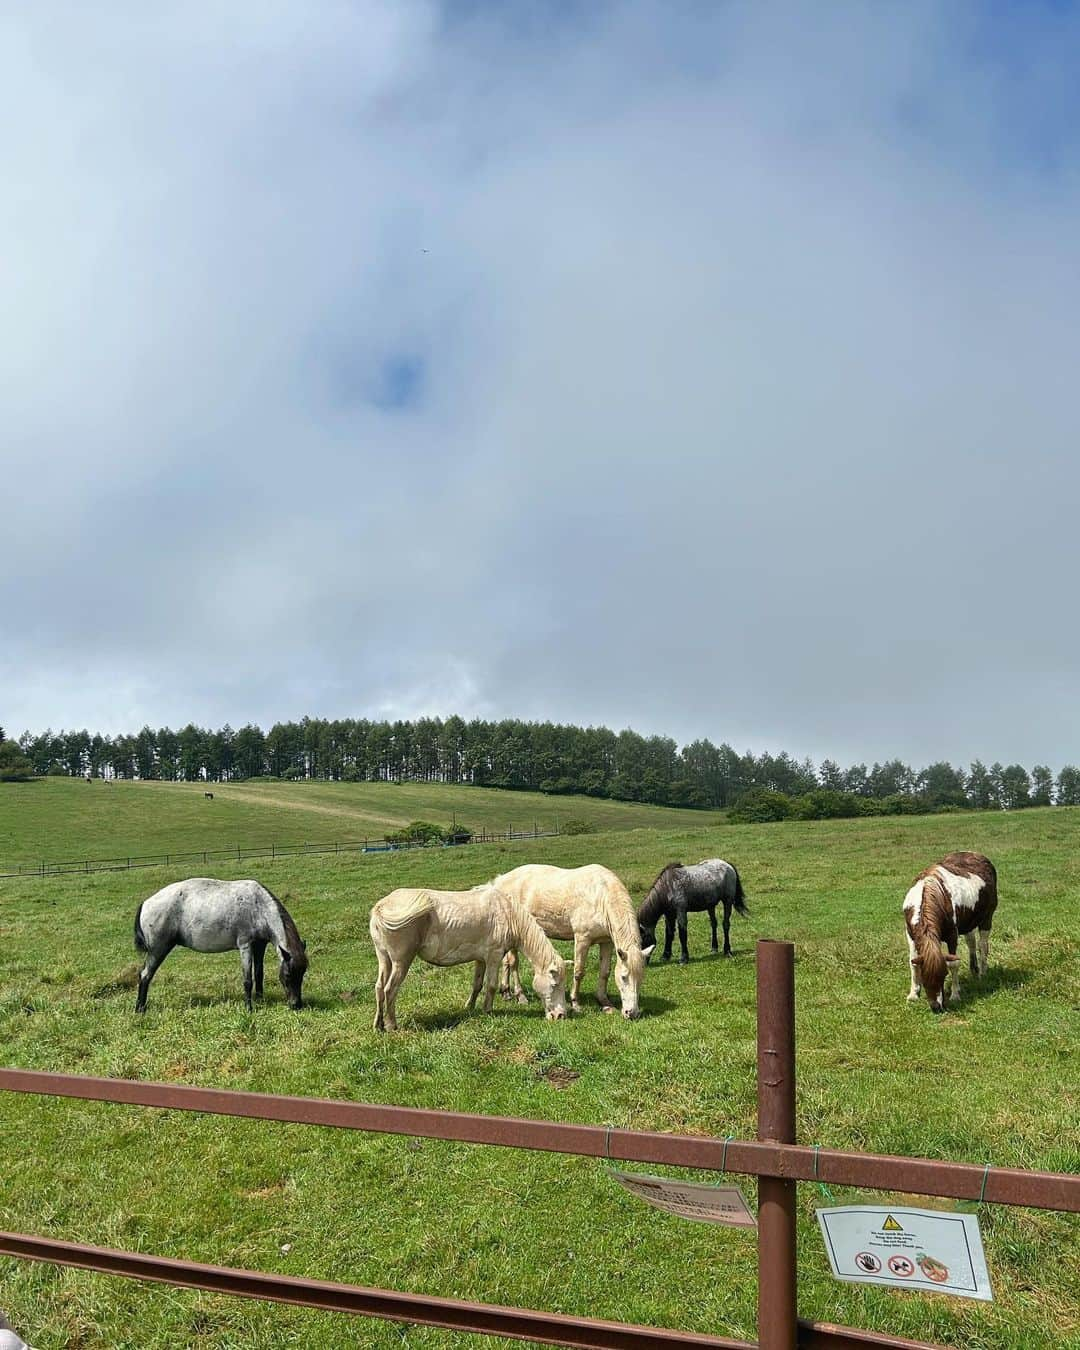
[621, 955]
[303, 944]
[284, 953]
[648, 951]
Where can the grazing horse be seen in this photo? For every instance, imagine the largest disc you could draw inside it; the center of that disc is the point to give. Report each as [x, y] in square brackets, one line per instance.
[209, 796]
[448, 928]
[219, 916]
[679, 891]
[589, 904]
[956, 895]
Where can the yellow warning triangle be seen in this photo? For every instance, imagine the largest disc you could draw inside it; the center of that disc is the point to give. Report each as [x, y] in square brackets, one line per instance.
[891, 1226]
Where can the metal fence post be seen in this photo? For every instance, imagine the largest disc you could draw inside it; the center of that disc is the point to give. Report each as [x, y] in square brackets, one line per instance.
[777, 1324]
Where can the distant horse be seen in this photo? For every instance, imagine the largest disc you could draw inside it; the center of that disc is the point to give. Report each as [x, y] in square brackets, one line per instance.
[9, 1338]
[957, 895]
[591, 905]
[679, 891]
[209, 796]
[219, 916]
[448, 928]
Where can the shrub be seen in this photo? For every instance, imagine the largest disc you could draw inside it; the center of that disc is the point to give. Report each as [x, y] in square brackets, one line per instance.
[456, 834]
[14, 766]
[350, 774]
[416, 832]
[758, 806]
[574, 825]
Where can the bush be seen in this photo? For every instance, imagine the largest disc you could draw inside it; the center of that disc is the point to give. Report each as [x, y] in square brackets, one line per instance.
[292, 774]
[576, 826]
[14, 766]
[416, 832]
[759, 806]
[457, 834]
[350, 774]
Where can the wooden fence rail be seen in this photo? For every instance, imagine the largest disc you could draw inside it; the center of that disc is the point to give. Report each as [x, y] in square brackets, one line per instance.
[773, 1157]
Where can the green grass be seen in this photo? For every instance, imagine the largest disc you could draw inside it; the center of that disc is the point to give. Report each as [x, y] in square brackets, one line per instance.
[57, 819]
[996, 1080]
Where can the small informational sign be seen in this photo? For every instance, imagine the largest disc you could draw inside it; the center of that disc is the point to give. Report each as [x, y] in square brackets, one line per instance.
[907, 1249]
[690, 1199]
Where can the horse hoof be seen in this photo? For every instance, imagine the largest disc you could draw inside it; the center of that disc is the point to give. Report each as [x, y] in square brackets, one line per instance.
[523, 999]
[607, 1007]
[684, 960]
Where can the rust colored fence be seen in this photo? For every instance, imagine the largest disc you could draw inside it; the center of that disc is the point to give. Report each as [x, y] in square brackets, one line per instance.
[774, 1158]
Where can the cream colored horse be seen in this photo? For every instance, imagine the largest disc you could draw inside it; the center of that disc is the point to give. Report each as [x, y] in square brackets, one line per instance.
[448, 928]
[590, 905]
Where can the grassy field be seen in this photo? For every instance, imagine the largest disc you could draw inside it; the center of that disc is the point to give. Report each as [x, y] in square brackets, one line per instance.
[66, 818]
[996, 1080]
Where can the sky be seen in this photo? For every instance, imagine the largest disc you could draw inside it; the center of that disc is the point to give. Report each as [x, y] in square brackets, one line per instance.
[706, 368]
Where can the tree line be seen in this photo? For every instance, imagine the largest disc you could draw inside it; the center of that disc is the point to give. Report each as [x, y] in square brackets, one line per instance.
[538, 756]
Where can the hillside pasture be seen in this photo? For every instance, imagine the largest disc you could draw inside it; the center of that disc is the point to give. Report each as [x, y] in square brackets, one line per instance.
[995, 1080]
[56, 819]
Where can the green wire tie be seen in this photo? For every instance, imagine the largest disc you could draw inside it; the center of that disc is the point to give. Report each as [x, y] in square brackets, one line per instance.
[820, 1184]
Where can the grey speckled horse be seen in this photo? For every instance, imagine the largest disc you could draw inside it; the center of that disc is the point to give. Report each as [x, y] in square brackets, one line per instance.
[10, 1339]
[220, 916]
[679, 891]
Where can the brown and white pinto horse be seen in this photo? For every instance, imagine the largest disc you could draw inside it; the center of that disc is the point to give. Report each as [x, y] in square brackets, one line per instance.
[956, 895]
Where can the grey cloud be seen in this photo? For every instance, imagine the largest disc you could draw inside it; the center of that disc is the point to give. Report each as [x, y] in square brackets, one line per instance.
[738, 395]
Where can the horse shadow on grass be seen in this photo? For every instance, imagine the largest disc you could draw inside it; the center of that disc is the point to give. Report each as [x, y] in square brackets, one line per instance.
[973, 988]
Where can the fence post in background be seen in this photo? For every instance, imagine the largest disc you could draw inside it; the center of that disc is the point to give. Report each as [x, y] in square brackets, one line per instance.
[777, 1324]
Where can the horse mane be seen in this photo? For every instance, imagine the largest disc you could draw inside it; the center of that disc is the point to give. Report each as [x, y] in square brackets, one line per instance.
[659, 895]
[530, 937]
[618, 911]
[928, 934]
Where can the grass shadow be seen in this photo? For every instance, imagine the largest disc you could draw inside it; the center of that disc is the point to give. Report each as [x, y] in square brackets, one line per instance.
[976, 987]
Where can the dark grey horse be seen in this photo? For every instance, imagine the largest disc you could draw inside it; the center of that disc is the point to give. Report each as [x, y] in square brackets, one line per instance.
[220, 916]
[679, 891]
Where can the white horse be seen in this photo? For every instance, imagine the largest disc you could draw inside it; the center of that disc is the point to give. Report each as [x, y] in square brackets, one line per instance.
[591, 905]
[448, 928]
[208, 915]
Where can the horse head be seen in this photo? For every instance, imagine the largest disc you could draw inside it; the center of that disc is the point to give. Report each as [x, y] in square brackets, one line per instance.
[550, 984]
[291, 973]
[630, 965]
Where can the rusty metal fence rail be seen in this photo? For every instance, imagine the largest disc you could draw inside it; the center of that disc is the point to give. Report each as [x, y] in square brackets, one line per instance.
[773, 1158]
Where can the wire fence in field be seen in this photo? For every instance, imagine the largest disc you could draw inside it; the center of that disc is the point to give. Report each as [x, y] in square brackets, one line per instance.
[241, 852]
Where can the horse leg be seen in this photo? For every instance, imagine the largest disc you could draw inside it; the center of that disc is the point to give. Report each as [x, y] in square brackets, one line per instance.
[247, 965]
[727, 930]
[380, 989]
[712, 925]
[490, 977]
[669, 934]
[581, 956]
[515, 977]
[477, 984]
[984, 950]
[684, 958]
[607, 950]
[913, 995]
[258, 952]
[398, 971]
[972, 962]
[153, 960]
[954, 971]
[504, 976]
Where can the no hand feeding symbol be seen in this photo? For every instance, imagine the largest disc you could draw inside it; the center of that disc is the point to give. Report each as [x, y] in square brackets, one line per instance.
[920, 1249]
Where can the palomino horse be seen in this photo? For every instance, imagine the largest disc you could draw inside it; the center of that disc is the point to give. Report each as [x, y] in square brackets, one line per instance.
[679, 891]
[589, 904]
[956, 895]
[220, 916]
[448, 928]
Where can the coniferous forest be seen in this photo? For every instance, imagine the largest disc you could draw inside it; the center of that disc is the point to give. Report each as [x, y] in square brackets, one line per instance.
[545, 757]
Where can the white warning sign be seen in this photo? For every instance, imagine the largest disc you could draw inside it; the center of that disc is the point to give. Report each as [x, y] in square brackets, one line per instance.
[907, 1249]
[690, 1199]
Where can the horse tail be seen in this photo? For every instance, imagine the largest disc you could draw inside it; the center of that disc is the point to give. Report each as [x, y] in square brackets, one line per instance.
[740, 900]
[140, 936]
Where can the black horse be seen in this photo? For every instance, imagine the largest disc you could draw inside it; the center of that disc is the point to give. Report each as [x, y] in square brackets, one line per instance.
[679, 891]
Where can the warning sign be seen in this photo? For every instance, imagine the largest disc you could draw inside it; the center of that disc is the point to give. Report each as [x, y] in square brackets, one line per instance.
[907, 1249]
[690, 1199]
